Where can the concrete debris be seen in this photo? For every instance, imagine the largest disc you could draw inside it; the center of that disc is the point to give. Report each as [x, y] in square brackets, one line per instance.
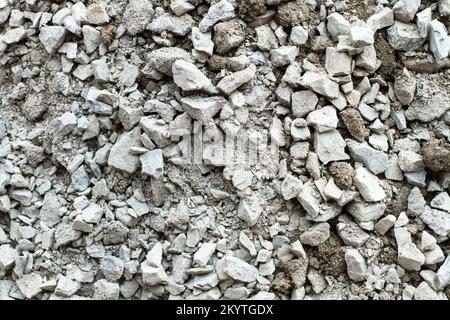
[179, 26]
[283, 55]
[330, 146]
[239, 270]
[409, 256]
[368, 185]
[189, 78]
[250, 149]
[356, 265]
[406, 10]
[404, 36]
[203, 109]
[439, 40]
[219, 11]
[320, 84]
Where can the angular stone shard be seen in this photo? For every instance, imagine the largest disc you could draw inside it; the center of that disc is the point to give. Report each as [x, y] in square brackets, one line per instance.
[368, 185]
[374, 160]
[409, 257]
[52, 37]
[320, 84]
[330, 146]
[239, 270]
[203, 109]
[189, 78]
[437, 220]
[249, 210]
[439, 40]
[404, 36]
[179, 26]
[120, 157]
[356, 265]
[219, 11]
[230, 83]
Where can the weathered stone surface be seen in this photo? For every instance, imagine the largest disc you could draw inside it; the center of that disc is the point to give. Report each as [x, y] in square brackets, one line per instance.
[232, 82]
[374, 160]
[303, 102]
[382, 19]
[437, 220]
[409, 257]
[368, 185]
[120, 157]
[188, 77]
[405, 10]
[330, 146]
[203, 109]
[366, 211]
[179, 26]
[316, 235]
[137, 15]
[404, 36]
[320, 84]
[162, 59]
[337, 25]
[228, 35]
[439, 40]
[405, 87]
[249, 210]
[323, 119]
[52, 37]
[219, 11]
[356, 265]
[239, 270]
[427, 109]
[283, 55]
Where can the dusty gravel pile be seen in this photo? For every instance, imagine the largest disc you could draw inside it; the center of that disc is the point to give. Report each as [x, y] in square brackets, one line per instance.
[204, 149]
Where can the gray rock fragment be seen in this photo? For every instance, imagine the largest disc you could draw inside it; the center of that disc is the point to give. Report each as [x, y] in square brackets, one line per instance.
[52, 37]
[356, 265]
[409, 257]
[437, 220]
[404, 36]
[249, 210]
[162, 59]
[232, 82]
[320, 84]
[374, 160]
[405, 10]
[153, 163]
[219, 11]
[120, 157]
[189, 78]
[368, 185]
[316, 235]
[137, 15]
[439, 40]
[239, 270]
[203, 109]
[330, 146]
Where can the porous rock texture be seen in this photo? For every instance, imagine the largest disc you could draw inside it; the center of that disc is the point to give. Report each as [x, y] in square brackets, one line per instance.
[115, 179]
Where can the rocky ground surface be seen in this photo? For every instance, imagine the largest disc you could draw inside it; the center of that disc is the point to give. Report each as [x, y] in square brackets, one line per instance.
[98, 96]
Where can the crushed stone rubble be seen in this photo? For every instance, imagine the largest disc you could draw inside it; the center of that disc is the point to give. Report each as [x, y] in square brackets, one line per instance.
[348, 198]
